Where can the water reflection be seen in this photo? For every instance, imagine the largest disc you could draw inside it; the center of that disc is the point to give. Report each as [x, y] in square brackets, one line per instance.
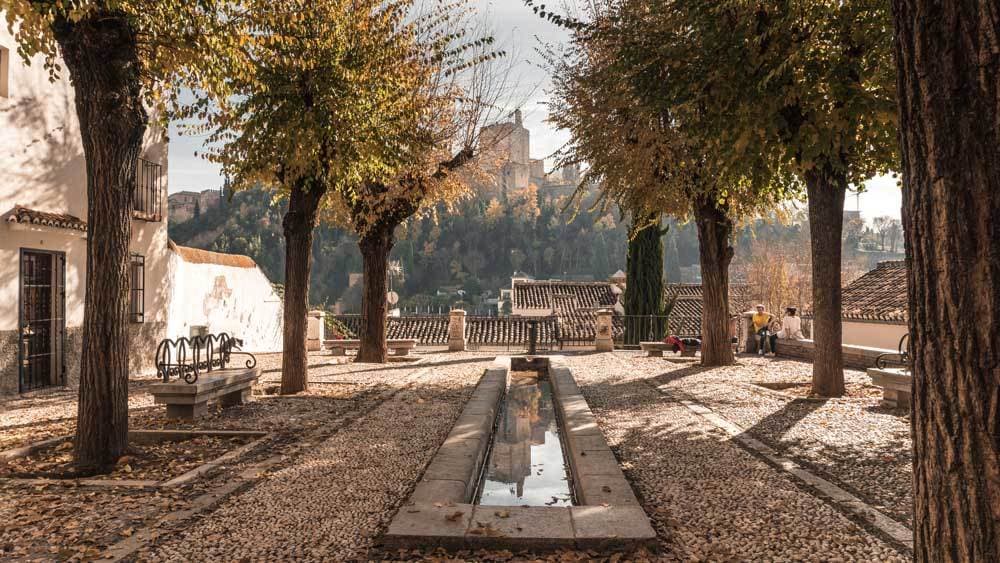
[526, 465]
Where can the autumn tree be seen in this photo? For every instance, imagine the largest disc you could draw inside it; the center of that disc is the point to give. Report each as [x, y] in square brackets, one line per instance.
[643, 140]
[948, 82]
[808, 87]
[459, 93]
[125, 59]
[330, 100]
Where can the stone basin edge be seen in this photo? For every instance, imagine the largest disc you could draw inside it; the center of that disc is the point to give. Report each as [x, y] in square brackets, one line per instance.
[440, 513]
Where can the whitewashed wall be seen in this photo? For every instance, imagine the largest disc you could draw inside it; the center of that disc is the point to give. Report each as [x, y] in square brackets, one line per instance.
[874, 335]
[235, 300]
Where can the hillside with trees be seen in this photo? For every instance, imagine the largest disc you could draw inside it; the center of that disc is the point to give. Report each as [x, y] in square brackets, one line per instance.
[475, 245]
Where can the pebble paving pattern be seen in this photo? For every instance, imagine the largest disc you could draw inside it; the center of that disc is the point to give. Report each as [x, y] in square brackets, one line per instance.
[715, 500]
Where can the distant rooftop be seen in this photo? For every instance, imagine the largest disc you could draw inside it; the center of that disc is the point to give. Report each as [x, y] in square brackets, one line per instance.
[879, 295]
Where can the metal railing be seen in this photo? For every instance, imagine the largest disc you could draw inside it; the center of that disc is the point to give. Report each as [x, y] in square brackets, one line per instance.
[187, 358]
[629, 330]
[148, 191]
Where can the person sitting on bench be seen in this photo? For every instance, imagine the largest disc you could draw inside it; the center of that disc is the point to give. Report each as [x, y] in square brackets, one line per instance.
[791, 326]
[762, 327]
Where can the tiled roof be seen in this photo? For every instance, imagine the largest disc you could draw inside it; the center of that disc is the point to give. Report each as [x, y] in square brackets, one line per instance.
[23, 215]
[504, 331]
[689, 302]
[879, 295]
[562, 296]
[199, 256]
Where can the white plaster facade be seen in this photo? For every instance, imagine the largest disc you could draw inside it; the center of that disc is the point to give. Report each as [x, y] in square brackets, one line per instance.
[874, 334]
[224, 293]
[42, 168]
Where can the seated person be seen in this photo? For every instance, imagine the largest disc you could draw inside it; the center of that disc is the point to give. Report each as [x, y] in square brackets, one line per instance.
[762, 327]
[680, 344]
[791, 326]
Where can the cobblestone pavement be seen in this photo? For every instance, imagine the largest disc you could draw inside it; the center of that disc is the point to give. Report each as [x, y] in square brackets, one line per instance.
[333, 496]
[715, 500]
[333, 501]
[60, 521]
[862, 446]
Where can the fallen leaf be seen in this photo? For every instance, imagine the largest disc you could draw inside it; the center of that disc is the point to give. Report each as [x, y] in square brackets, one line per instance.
[454, 516]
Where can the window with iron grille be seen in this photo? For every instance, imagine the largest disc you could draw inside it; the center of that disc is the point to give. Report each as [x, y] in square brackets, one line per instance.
[137, 287]
[148, 191]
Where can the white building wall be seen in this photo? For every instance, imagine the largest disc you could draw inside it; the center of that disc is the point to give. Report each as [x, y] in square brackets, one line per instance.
[873, 335]
[238, 301]
[42, 167]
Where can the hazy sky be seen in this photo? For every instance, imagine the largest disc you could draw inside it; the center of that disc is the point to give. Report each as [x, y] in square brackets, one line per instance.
[521, 32]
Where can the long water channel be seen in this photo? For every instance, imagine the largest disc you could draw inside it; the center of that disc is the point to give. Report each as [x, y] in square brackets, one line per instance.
[526, 464]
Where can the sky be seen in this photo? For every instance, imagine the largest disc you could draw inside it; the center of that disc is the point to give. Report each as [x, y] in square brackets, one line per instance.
[521, 33]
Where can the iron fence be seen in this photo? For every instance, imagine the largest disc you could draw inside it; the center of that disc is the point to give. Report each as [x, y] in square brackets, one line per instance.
[629, 330]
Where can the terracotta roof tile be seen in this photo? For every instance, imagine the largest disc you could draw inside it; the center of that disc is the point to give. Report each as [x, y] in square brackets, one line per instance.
[879, 295]
[25, 216]
[199, 256]
[689, 302]
[563, 296]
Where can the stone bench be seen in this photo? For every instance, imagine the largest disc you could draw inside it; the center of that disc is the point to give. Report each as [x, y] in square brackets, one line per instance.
[400, 347]
[230, 387]
[656, 349]
[896, 384]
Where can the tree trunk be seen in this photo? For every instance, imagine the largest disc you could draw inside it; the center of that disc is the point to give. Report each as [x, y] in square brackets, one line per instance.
[826, 191]
[715, 229]
[298, 224]
[644, 291]
[101, 55]
[375, 249]
[949, 114]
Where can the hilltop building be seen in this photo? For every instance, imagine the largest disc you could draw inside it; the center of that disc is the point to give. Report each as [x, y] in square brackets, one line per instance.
[182, 206]
[509, 146]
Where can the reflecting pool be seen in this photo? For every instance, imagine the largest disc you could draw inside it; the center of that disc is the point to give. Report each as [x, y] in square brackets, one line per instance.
[526, 466]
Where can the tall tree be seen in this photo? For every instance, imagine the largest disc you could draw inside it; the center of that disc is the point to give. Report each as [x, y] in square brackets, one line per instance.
[948, 55]
[458, 95]
[330, 99]
[811, 84]
[777, 88]
[644, 276]
[644, 141]
[123, 58]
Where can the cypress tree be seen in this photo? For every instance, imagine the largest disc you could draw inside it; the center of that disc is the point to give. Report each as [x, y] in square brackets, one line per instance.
[644, 289]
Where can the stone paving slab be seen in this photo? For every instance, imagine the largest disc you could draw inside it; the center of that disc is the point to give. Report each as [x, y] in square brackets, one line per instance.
[430, 525]
[517, 527]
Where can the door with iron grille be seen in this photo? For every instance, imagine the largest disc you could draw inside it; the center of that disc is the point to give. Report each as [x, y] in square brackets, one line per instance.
[42, 319]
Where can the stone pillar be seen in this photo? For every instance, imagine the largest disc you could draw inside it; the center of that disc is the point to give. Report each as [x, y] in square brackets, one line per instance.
[605, 339]
[315, 330]
[750, 344]
[456, 331]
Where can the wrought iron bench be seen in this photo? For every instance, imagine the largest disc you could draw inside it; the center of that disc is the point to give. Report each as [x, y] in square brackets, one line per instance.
[202, 362]
[900, 358]
[892, 374]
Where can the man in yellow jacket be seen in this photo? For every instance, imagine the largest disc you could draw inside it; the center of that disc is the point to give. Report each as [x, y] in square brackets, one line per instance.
[762, 326]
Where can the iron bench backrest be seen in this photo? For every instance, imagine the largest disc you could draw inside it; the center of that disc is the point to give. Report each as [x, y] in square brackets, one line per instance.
[187, 358]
